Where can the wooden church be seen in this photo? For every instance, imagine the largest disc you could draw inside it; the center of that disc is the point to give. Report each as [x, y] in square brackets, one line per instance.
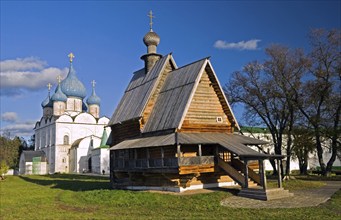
[174, 130]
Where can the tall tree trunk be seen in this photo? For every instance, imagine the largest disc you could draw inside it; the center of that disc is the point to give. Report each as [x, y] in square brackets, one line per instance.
[289, 140]
[335, 136]
[320, 152]
[273, 164]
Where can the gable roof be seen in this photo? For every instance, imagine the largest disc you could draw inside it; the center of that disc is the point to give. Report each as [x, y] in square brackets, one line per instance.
[138, 92]
[177, 93]
[174, 97]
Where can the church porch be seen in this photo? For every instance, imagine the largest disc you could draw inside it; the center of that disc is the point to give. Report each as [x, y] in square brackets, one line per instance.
[183, 166]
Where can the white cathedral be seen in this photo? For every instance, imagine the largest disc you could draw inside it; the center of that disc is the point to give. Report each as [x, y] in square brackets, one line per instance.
[70, 136]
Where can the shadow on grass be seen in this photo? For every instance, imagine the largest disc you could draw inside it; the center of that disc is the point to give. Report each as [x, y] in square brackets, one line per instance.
[76, 176]
[66, 182]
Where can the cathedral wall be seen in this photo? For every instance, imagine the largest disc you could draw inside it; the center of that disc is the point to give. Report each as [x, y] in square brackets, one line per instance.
[47, 112]
[58, 108]
[85, 118]
[44, 134]
[94, 110]
[66, 134]
[100, 160]
[61, 159]
[55, 138]
[82, 154]
[74, 104]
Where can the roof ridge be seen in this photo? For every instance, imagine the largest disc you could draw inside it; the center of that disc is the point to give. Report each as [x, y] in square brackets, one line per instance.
[206, 58]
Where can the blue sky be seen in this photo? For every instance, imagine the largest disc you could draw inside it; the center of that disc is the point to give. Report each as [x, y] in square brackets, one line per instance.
[106, 38]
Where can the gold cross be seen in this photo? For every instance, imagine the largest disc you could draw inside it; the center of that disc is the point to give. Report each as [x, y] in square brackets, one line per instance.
[49, 86]
[71, 56]
[150, 15]
[59, 78]
[93, 83]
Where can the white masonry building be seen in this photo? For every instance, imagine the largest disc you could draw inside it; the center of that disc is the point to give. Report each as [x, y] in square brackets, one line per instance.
[69, 131]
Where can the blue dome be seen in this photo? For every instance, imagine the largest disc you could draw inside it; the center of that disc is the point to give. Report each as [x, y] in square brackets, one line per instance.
[93, 99]
[71, 86]
[47, 102]
[59, 95]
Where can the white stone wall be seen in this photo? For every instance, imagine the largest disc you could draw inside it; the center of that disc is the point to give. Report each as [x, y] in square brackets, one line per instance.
[313, 159]
[94, 110]
[105, 161]
[50, 137]
[59, 108]
[81, 153]
[100, 160]
[74, 104]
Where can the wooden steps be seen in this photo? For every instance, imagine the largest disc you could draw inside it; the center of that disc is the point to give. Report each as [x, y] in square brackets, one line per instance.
[269, 194]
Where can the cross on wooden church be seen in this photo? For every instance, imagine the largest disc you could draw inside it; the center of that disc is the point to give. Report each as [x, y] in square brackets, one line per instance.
[150, 15]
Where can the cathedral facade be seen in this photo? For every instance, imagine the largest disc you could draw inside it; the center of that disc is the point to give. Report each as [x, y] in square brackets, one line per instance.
[69, 131]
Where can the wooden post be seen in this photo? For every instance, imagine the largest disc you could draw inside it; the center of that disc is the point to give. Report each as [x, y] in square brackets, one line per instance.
[148, 157]
[135, 157]
[200, 153]
[178, 150]
[262, 174]
[246, 174]
[279, 173]
[162, 156]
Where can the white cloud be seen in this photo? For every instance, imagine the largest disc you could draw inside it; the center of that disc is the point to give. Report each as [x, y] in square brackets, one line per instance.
[9, 117]
[241, 45]
[19, 129]
[22, 64]
[30, 73]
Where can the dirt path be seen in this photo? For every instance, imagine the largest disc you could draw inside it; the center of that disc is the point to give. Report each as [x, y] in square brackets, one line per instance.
[301, 198]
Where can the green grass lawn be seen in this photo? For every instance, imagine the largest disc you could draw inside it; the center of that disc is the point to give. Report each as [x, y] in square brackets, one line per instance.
[83, 197]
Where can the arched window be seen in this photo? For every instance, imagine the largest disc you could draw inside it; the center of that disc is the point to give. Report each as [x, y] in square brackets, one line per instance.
[64, 160]
[66, 140]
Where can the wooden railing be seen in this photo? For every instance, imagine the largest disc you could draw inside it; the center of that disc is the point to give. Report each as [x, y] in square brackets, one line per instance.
[239, 165]
[233, 173]
[174, 162]
[189, 161]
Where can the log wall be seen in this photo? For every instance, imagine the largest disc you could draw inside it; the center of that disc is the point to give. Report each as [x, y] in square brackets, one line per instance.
[125, 130]
[206, 110]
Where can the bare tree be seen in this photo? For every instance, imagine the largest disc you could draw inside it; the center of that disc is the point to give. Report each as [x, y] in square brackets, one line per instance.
[319, 99]
[255, 90]
[286, 67]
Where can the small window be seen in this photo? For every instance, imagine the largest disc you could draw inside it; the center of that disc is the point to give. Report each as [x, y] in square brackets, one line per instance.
[64, 160]
[220, 119]
[66, 140]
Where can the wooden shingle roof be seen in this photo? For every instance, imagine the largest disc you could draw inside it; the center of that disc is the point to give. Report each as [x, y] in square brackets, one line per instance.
[174, 97]
[232, 142]
[138, 93]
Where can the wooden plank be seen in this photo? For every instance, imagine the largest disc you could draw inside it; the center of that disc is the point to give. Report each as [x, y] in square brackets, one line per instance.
[196, 169]
[232, 172]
